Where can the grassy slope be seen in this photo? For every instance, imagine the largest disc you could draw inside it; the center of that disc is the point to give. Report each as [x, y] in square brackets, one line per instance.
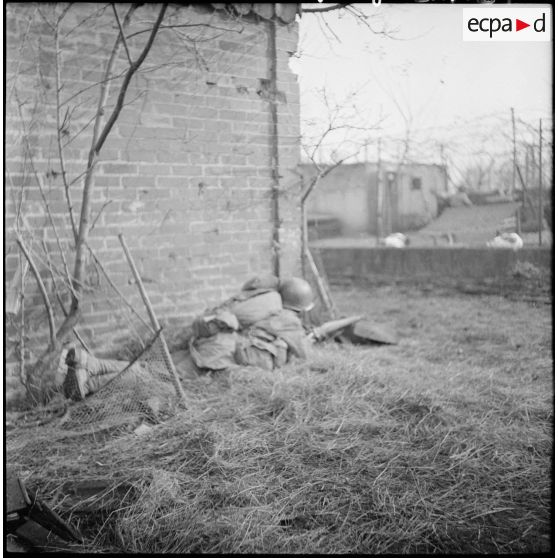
[439, 444]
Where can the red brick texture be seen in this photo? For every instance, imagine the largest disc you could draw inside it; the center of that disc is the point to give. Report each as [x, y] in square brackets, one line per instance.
[185, 175]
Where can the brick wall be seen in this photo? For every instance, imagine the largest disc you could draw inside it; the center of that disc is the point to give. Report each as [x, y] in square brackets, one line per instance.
[185, 175]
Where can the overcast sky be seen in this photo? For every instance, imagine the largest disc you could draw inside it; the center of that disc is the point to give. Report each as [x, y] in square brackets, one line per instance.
[427, 78]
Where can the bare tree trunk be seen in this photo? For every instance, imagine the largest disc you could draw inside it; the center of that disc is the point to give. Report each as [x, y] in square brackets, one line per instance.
[83, 230]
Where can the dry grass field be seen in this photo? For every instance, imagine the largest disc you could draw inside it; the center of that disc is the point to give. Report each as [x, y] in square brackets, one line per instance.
[440, 444]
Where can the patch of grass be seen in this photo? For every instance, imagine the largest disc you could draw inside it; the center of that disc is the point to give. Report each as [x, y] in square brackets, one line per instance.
[440, 444]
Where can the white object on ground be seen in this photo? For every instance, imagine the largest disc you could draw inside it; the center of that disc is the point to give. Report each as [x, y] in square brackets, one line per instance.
[506, 240]
[395, 240]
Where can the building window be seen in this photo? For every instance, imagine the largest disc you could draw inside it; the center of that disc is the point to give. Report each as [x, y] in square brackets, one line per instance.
[416, 183]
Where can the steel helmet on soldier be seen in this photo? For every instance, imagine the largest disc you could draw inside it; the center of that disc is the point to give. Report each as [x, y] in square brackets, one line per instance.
[296, 294]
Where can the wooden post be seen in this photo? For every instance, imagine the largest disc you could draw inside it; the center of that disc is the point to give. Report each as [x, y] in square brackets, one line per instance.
[390, 210]
[540, 182]
[322, 288]
[444, 166]
[526, 181]
[304, 216]
[379, 194]
[153, 319]
[22, 269]
[525, 193]
[304, 236]
[514, 153]
[533, 167]
[275, 174]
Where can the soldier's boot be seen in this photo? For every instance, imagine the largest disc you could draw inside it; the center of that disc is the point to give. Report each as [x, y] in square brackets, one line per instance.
[87, 374]
[75, 384]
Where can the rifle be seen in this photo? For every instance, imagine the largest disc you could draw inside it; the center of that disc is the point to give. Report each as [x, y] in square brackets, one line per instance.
[329, 329]
[355, 330]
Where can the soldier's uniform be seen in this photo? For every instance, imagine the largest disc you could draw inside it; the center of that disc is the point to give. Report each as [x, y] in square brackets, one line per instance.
[269, 330]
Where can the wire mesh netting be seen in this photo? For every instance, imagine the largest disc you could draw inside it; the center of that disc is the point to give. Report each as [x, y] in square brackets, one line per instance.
[119, 396]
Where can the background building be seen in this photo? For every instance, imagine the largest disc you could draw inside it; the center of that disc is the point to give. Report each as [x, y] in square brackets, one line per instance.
[408, 196]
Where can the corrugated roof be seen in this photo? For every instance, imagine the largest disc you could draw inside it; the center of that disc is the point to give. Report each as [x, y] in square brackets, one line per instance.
[282, 12]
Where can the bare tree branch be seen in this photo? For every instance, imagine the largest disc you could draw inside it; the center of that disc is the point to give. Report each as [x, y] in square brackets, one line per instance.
[324, 171]
[124, 87]
[184, 25]
[99, 214]
[63, 13]
[53, 279]
[322, 22]
[122, 36]
[43, 17]
[93, 15]
[42, 288]
[325, 8]
[92, 86]
[23, 274]
[38, 258]
[51, 219]
[46, 204]
[20, 58]
[59, 130]
[78, 133]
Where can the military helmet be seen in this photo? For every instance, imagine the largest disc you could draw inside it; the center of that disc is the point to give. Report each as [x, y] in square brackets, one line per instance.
[296, 294]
